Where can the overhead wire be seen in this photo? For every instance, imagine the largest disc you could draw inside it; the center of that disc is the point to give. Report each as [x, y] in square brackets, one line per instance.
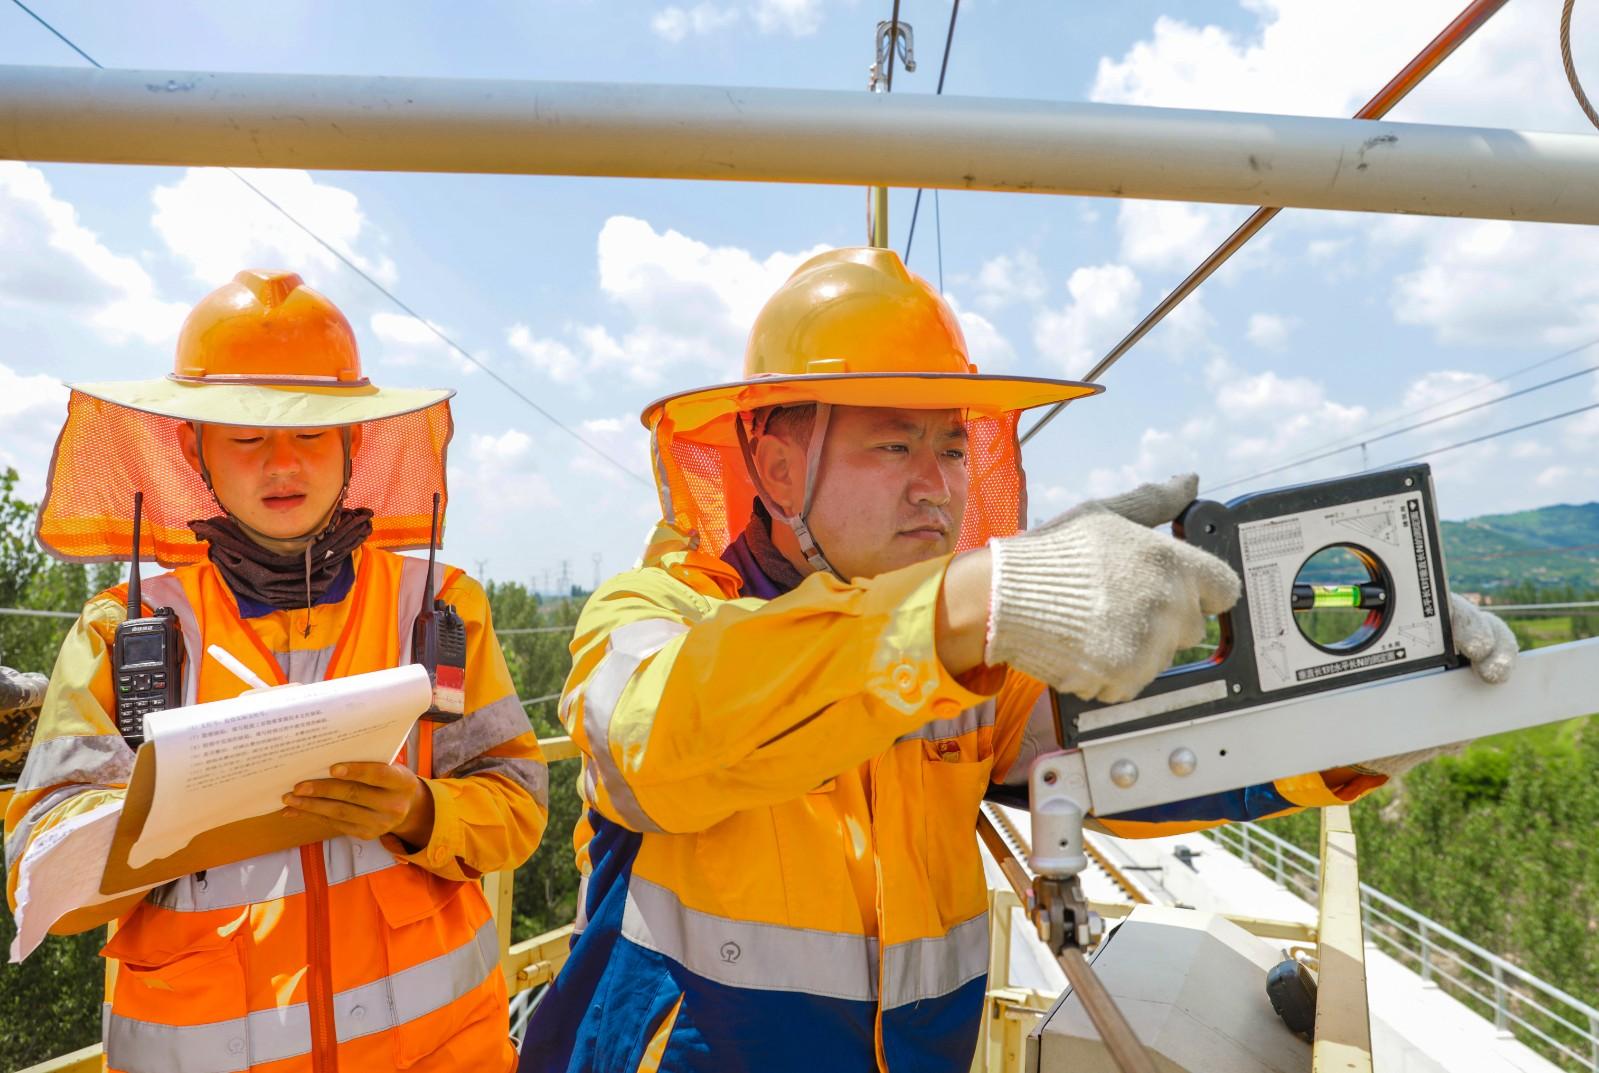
[1364, 435]
[916, 208]
[385, 291]
[1495, 435]
[1368, 440]
[1424, 63]
[893, 44]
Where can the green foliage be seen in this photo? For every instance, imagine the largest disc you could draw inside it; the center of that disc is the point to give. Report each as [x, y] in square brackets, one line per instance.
[1548, 548]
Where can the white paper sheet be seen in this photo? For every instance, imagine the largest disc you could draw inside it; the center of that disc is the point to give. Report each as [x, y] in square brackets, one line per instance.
[61, 872]
[233, 759]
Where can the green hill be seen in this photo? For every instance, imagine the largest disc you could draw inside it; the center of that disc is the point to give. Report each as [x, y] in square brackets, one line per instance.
[1556, 546]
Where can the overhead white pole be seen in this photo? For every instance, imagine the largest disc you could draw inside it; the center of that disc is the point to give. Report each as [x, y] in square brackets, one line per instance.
[808, 136]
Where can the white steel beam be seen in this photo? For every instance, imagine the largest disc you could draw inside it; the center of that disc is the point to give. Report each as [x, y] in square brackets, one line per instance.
[777, 135]
[1340, 727]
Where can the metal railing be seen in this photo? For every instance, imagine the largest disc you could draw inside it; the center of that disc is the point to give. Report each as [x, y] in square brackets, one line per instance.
[1557, 1025]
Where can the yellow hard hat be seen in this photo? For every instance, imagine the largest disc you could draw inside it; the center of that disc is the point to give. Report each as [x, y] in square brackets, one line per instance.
[261, 351]
[855, 327]
[850, 327]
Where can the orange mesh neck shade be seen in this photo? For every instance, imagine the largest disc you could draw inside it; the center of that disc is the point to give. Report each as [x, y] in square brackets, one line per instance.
[107, 452]
[705, 487]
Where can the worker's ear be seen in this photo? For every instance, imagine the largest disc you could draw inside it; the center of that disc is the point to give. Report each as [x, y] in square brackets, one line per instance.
[781, 468]
[189, 444]
[355, 440]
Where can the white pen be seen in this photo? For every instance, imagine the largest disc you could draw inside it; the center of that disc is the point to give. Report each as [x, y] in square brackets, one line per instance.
[239, 670]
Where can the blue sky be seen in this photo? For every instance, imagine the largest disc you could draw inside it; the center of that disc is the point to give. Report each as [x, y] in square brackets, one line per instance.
[595, 296]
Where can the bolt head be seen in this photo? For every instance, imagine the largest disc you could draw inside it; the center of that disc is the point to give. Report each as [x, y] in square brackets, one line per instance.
[1182, 761]
[1124, 773]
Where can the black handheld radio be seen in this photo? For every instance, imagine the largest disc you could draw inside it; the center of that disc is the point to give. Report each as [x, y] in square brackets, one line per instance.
[147, 655]
[438, 642]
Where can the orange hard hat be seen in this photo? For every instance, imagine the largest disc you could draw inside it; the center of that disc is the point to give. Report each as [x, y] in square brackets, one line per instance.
[850, 327]
[267, 325]
[261, 351]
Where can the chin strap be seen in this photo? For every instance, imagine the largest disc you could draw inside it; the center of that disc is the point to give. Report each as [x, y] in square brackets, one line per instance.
[813, 462]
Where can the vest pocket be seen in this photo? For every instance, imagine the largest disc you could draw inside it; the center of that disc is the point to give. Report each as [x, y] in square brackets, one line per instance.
[441, 951]
[171, 974]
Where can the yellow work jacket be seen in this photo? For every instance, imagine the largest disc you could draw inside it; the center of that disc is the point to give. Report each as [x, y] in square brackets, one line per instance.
[344, 954]
[779, 858]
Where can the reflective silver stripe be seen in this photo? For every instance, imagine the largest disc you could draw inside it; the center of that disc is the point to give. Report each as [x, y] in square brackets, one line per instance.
[305, 666]
[413, 573]
[663, 481]
[927, 968]
[102, 759]
[582, 919]
[1038, 737]
[166, 590]
[285, 1032]
[144, 1047]
[743, 953]
[270, 876]
[477, 732]
[967, 722]
[530, 775]
[40, 809]
[627, 647]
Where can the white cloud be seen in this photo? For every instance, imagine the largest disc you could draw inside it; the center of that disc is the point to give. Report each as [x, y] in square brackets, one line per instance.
[216, 226]
[1102, 305]
[986, 345]
[686, 303]
[624, 439]
[1301, 60]
[1171, 234]
[1552, 476]
[32, 409]
[800, 18]
[551, 357]
[1009, 278]
[1493, 282]
[674, 23]
[1269, 331]
[409, 341]
[503, 472]
[49, 260]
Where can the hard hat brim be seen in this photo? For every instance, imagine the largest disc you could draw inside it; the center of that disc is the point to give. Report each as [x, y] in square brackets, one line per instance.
[289, 405]
[694, 410]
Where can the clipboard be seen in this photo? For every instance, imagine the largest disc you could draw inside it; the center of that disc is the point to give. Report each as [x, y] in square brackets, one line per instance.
[231, 842]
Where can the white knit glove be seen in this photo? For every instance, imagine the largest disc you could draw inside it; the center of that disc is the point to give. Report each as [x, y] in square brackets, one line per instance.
[1481, 637]
[1096, 604]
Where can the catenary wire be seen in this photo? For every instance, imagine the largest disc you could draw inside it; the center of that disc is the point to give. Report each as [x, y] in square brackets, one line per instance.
[943, 69]
[1440, 48]
[893, 44]
[1364, 435]
[381, 289]
[1365, 441]
[1493, 435]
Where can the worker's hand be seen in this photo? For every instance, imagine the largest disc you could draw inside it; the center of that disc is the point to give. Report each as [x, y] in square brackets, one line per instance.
[367, 801]
[1483, 638]
[1096, 604]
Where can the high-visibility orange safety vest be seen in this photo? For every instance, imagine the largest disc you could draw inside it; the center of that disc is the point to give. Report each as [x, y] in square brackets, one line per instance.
[345, 954]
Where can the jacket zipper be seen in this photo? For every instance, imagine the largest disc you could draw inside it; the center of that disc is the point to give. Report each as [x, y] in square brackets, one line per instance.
[319, 973]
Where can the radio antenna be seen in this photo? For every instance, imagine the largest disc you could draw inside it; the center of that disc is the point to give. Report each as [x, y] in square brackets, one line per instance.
[135, 596]
[433, 544]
